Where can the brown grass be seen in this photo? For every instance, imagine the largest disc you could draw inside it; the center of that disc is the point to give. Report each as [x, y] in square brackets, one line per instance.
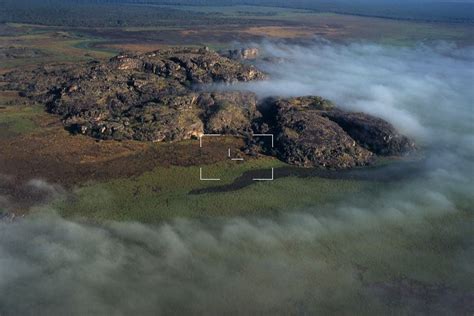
[280, 31]
[53, 154]
[136, 47]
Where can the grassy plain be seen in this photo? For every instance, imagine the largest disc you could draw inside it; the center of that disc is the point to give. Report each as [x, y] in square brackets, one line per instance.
[294, 24]
[18, 121]
[53, 45]
[148, 182]
[249, 24]
[164, 193]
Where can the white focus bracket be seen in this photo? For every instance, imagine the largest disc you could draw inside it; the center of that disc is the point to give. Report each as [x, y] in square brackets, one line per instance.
[235, 158]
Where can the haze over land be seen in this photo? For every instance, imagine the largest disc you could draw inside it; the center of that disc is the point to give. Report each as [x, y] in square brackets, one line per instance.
[420, 89]
[329, 258]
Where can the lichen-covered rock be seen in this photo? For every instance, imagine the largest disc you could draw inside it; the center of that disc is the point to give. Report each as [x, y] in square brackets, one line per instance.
[193, 65]
[146, 97]
[231, 112]
[306, 138]
[372, 133]
[248, 53]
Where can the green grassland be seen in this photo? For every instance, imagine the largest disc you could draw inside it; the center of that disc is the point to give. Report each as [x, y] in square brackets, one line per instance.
[74, 43]
[247, 11]
[18, 120]
[385, 31]
[412, 33]
[383, 247]
[53, 44]
[164, 193]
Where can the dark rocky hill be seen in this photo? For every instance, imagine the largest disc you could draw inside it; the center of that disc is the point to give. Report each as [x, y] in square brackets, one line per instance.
[152, 97]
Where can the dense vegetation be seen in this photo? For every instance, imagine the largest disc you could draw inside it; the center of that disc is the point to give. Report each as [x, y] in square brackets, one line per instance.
[411, 10]
[74, 14]
[111, 13]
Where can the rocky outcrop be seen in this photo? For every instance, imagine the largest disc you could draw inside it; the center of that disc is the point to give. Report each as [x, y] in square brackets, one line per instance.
[171, 118]
[230, 112]
[188, 65]
[249, 53]
[311, 131]
[154, 97]
[306, 138]
[148, 97]
[372, 133]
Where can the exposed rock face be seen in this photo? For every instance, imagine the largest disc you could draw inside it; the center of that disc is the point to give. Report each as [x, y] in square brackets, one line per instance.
[243, 53]
[311, 131]
[305, 137]
[372, 133]
[188, 65]
[152, 97]
[171, 118]
[145, 97]
[230, 112]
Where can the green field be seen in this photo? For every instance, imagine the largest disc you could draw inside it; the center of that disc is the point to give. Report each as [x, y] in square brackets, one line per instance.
[164, 193]
[243, 11]
[53, 44]
[357, 223]
[19, 120]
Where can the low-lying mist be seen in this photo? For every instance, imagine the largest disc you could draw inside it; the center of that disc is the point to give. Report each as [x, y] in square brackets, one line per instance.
[406, 248]
[420, 89]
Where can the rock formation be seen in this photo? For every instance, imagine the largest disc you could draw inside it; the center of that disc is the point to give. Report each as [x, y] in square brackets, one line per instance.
[153, 97]
[311, 131]
[250, 53]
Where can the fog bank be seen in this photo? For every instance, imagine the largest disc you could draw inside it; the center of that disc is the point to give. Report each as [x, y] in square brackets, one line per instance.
[418, 89]
[343, 258]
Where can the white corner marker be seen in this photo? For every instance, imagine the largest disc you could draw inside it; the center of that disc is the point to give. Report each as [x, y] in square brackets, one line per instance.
[235, 159]
[264, 179]
[207, 135]
[206, 179]
[265, 135]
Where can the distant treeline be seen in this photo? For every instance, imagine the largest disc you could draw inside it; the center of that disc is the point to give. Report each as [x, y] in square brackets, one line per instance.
[123, 13]
[101, 14]
[426, 10]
